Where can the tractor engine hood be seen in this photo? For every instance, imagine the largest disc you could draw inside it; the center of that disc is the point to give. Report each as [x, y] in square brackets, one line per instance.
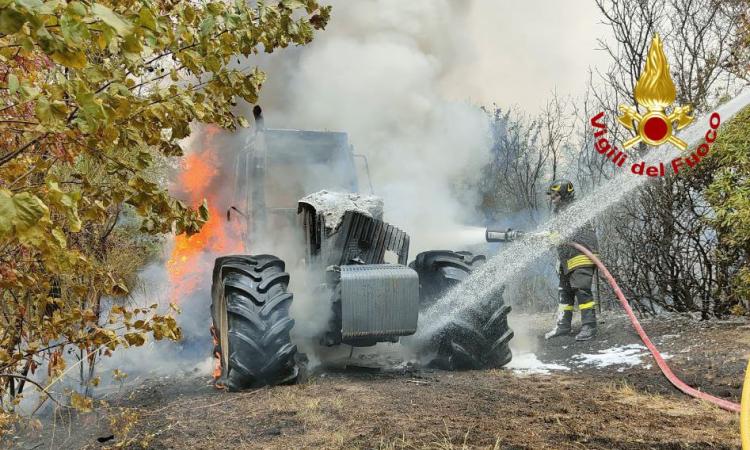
[333, 206]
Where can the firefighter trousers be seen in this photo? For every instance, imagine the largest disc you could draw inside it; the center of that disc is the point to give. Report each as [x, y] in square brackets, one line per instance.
[576, 286]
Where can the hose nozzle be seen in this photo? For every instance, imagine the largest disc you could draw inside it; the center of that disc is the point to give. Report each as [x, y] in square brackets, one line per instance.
[508, 235]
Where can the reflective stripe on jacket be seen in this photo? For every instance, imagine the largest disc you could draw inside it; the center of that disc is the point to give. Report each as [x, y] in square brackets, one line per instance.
[570, 257]
[579, 261]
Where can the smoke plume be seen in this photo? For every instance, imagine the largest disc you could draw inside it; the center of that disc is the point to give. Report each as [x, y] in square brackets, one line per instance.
[378, 72]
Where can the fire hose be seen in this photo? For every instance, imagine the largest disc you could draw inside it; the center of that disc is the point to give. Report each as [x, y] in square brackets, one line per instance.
[679, 384]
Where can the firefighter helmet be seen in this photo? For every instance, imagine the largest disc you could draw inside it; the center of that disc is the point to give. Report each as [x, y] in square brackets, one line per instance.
[564, 188]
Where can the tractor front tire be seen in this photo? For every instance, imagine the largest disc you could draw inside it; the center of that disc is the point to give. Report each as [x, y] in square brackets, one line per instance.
[477, 340]
[250, 311]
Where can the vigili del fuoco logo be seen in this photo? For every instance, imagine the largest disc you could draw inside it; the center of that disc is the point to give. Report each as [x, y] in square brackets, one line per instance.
[655, 92]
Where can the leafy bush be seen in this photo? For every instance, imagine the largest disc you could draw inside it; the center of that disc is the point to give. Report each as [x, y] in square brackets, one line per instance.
[92, 94]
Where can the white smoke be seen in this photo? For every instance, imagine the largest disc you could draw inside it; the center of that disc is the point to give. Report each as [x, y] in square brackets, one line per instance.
[378, 73]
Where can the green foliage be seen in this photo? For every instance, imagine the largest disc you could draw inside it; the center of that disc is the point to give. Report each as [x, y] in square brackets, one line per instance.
[729, 195]
[92, 96]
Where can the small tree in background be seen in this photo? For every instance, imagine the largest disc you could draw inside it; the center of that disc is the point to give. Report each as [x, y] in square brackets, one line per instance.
[661, 242]
[93, 95]
[728, 193]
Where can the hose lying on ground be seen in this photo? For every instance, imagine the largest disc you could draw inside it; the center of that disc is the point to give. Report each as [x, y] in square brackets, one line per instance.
[679, 384]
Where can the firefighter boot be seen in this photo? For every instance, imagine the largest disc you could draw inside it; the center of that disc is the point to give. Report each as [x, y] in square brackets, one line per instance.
[562, 327]
[588, 325]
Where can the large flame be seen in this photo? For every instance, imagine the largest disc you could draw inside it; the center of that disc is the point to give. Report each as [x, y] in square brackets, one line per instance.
[655, 89]
[192, 257]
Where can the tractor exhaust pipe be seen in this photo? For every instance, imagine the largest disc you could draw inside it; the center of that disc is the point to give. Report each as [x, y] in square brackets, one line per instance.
[260, 124]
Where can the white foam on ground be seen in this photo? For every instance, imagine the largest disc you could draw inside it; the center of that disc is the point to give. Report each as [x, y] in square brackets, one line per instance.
[527, 363]
[670, 336]
[626, 355]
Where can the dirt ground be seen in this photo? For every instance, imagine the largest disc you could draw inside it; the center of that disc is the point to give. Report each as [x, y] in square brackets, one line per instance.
[613, 407]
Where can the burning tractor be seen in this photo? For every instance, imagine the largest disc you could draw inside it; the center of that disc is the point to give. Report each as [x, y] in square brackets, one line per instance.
[301, 186]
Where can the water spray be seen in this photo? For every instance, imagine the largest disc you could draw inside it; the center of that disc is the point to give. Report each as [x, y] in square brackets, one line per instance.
[518, 255]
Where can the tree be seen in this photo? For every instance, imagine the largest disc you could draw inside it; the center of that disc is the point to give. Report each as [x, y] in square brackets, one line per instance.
[728, 193]
[556, 133]
[94, 96]
[526, 153]
[590, 168]
[660, 242]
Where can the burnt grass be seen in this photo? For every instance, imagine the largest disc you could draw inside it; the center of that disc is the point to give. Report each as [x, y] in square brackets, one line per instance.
[586, 407]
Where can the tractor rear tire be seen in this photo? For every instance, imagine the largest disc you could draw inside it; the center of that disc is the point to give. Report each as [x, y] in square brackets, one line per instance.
[250, 311]
[441, 270]
[478, 340]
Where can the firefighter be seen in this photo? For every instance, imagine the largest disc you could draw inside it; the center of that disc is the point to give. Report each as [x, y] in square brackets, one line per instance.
[576, 270]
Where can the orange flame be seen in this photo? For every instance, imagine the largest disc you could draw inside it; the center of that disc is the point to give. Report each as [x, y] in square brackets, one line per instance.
[192, 257]
[655, 89]
[217, 356]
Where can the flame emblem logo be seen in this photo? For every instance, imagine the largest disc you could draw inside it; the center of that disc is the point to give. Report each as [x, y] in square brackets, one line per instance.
[655, 91]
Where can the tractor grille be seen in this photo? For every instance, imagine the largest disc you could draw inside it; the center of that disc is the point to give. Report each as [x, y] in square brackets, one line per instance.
[365, 240]
[378, 301]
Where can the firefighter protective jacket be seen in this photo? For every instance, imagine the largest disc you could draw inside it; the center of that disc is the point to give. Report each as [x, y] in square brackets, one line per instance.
[570, 257]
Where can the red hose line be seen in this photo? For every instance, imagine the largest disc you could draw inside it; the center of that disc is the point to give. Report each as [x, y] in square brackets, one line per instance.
[679, 384]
